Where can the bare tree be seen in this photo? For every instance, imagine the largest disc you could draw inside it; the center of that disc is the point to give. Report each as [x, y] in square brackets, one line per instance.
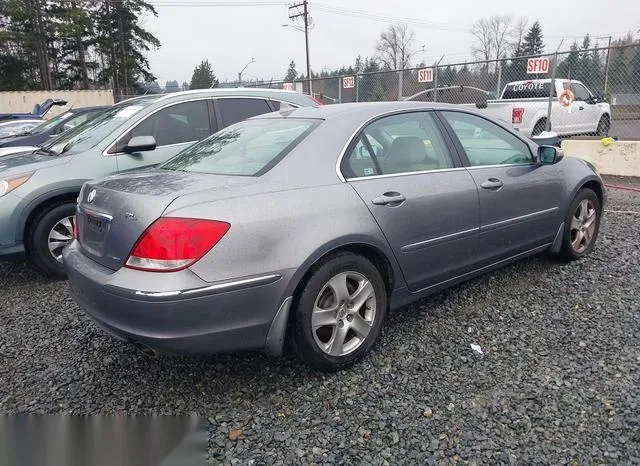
[394, 47]
[482, 48]
[518, 32]
[500, 29]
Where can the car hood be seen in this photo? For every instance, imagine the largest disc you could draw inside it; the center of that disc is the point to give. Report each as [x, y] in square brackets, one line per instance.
[28, 161]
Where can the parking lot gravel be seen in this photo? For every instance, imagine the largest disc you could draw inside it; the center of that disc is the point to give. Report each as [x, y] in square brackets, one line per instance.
[558, 380]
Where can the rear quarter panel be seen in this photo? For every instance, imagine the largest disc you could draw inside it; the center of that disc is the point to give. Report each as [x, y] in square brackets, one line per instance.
[285, 231]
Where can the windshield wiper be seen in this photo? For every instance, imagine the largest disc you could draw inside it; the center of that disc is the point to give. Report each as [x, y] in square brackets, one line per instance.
[46, 151]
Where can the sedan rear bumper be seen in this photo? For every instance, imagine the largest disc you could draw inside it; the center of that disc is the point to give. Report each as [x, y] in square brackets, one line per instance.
[213, 318]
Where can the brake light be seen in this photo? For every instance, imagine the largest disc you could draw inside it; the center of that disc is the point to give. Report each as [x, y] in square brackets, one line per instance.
[172, 243]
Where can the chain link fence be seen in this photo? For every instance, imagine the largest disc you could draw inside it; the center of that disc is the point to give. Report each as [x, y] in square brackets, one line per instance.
[609, 74]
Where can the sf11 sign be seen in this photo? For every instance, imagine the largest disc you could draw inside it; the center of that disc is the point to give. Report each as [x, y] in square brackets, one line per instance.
[425, 75]
[538, 65]
[348, 82]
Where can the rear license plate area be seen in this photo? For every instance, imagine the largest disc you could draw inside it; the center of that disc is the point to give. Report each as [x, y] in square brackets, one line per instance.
[94, 232]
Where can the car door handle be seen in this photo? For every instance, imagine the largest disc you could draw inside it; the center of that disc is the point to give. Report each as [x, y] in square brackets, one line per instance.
[389, 198]
[492, 183]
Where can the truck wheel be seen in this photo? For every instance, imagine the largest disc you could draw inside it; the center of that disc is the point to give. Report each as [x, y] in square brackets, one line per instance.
[50, 232]
[604, 125]
[539, 127]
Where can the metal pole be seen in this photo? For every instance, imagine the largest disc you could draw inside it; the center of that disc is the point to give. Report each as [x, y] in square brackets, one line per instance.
[357, 88]
[435, 82]
[240, 78]
[400, 73]
[553, 86]
[606, 69]
[306, 42]
[498, 86]
[339, 90]
[435, 79]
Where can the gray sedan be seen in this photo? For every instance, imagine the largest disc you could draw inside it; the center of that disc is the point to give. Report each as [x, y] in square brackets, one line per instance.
[307, 225]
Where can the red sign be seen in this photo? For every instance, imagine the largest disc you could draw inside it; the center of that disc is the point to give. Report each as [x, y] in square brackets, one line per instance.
[425, 75]
[349, 82]
[538, 65]
[516, 115]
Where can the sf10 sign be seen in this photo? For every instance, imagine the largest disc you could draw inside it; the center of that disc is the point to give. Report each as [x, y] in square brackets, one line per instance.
[349, 82]
[538, 65]
[425, 75]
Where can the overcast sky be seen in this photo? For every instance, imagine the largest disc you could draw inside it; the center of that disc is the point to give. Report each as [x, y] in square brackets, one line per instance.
[230, 36]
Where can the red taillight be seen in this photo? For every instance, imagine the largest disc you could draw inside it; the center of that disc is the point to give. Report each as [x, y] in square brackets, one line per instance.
[172, 243]
[76, 234]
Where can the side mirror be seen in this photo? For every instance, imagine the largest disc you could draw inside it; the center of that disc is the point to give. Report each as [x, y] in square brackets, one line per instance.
[140, 144]
[548, 155]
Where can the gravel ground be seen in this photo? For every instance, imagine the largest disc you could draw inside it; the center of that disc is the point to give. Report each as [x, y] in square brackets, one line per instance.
[558, 383]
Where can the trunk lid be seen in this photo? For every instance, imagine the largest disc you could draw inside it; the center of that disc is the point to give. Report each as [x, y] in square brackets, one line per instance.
[114, 212]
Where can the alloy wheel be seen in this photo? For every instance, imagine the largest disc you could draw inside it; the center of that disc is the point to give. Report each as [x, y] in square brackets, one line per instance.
[583, 226]
[60, 235]
[343, 313]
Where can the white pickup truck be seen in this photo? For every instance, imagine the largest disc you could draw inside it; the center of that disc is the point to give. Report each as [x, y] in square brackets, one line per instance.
[525, 104]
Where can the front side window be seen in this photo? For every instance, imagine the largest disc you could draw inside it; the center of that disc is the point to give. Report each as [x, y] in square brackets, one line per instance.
[248, 148]
[580, 92]
[183, 122]
[486, 143]
[233, 110]
[405, 143]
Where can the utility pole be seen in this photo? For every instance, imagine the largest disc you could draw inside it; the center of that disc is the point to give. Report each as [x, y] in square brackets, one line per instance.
[298, 10]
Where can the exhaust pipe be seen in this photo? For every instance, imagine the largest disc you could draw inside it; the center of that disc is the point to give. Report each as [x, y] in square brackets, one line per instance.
[148, 352]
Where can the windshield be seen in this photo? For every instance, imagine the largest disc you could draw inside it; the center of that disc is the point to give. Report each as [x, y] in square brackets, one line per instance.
[50, 124]
[86, 135]
[248, 148]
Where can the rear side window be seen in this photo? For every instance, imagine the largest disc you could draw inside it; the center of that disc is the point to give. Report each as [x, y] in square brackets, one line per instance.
[176, 124]
[234, 110]
[527, 90]
[248, 148]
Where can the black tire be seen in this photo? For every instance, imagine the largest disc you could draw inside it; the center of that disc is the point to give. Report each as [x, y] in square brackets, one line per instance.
[568, 251]
[604, 125]
[303, 337]
[38, 238]
[539, 127]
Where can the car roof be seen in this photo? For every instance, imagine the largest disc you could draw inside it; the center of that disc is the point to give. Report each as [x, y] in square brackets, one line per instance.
[293, 97]
[87, 109]
[364, 110]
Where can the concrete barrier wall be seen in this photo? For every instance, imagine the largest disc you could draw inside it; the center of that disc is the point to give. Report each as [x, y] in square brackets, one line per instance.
[24, 101]
[621, 158]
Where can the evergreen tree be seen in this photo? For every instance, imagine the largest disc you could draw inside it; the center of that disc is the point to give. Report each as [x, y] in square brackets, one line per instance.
[533, 44]
[292, 74]
[570, 66]
[203, 77]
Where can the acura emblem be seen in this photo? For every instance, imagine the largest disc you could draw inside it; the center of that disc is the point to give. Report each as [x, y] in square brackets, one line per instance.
[91, 196]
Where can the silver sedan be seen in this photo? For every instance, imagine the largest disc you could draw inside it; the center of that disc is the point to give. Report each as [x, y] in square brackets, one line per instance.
[308, 225]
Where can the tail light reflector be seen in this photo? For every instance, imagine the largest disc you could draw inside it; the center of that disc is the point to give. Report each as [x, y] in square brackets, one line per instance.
[171, 243]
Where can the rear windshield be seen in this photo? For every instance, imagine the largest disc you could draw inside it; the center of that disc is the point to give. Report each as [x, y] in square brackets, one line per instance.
[249, 148]
[528, 90]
